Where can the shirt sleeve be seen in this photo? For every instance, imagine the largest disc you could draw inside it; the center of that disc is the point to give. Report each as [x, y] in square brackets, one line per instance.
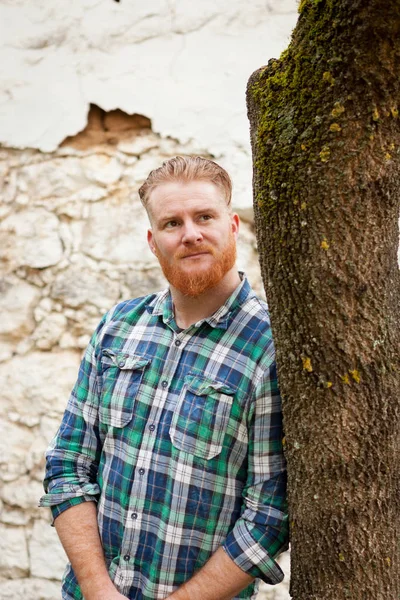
[261, 533]
[72, 457]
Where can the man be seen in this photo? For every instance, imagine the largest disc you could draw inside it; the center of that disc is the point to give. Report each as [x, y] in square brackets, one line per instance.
[166, 478]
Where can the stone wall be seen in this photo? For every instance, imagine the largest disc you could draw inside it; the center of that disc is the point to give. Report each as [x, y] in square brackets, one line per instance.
[73, 244]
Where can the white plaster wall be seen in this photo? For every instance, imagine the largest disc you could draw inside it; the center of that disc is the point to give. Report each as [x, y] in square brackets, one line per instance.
[184, 64]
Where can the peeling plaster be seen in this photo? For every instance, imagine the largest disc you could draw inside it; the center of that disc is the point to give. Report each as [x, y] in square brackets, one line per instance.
[184, 65]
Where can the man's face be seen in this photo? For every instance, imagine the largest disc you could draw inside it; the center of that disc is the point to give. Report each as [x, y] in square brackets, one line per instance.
[193, 234]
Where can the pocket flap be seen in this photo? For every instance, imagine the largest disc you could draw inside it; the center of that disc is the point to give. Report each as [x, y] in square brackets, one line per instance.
[202, 386]
[123, 361]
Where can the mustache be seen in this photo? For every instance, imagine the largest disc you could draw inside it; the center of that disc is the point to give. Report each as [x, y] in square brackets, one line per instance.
[197, 250]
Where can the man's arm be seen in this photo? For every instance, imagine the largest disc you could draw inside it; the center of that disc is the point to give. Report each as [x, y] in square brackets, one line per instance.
[219, 579]
[71, 482]
[79, 535]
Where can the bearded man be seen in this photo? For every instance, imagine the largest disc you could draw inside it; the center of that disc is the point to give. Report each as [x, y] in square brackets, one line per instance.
[167, 478]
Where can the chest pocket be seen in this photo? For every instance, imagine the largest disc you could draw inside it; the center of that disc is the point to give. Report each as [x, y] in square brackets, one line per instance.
[121, 378]
[201, 417]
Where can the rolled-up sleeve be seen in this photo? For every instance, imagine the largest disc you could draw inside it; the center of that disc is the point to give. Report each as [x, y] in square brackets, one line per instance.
[72, 457]
[261, 533]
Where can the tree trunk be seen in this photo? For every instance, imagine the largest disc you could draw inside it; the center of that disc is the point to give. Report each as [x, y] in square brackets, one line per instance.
[326, 151]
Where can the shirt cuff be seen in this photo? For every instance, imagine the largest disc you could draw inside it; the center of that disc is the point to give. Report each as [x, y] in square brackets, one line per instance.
[251, 556]
[60, 508]
[66, 495]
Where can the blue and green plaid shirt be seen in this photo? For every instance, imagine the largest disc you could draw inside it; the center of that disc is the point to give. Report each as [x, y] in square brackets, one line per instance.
[177, 435]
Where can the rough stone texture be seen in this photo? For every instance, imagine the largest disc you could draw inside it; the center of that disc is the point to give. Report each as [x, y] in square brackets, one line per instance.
[14, 561]
[34, 589]
[31, 239]
[45, 564]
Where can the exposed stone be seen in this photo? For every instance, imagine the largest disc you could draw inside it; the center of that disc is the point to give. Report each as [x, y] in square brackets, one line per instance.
[50, 330]
[34, 589]
[9, 184]
[14, 516]
[67, 340]
[47, 558]
[34, 460]
[14, 560]
[23, 419]
[15, 441]
[140, 283]
[22, 493]
[120, 240]
[51, 182]
[102, 169]
[139, 144]
[22, 199]
[90, 193]
[24, 346]
[37, 277]
[43, 389]
[43, 309]
[17, 300]
[30, 238]
[142, 168]
[6, 349]
[76, 288]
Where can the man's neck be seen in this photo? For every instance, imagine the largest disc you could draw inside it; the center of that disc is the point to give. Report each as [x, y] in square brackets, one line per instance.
[189, 310]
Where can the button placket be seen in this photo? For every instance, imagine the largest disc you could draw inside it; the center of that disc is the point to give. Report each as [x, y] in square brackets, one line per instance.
[144, 458]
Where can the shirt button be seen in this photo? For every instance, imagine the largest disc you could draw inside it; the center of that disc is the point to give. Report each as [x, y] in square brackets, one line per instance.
[121, 363]
[177, 342]
[134, 516]
[141, 471]
[152, 427]
[127, 556]
[164, 383]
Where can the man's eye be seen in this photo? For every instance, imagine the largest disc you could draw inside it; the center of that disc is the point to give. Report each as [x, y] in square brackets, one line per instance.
[171, 224]
[205, 217]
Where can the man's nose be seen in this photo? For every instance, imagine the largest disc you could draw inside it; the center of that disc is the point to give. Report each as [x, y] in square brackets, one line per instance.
[191, 233]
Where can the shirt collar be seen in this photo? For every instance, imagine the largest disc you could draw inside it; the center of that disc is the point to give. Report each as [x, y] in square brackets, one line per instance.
[162, 305]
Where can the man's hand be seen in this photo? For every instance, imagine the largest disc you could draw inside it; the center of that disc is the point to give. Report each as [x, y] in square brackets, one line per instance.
[78, 531]
[219, 579]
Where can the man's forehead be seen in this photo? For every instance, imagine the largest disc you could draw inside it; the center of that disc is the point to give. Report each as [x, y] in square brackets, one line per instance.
[172, 195]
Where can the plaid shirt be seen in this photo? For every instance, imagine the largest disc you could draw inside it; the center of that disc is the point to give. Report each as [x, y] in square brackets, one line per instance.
[177, 435]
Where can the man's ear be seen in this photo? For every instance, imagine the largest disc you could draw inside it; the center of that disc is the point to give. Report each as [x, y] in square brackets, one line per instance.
[150, 241]
[235, 224]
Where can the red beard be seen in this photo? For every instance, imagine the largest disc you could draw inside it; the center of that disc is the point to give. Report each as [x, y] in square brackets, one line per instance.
[196, 283]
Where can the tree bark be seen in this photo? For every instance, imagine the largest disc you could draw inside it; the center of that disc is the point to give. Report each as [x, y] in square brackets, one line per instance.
[325, 131]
